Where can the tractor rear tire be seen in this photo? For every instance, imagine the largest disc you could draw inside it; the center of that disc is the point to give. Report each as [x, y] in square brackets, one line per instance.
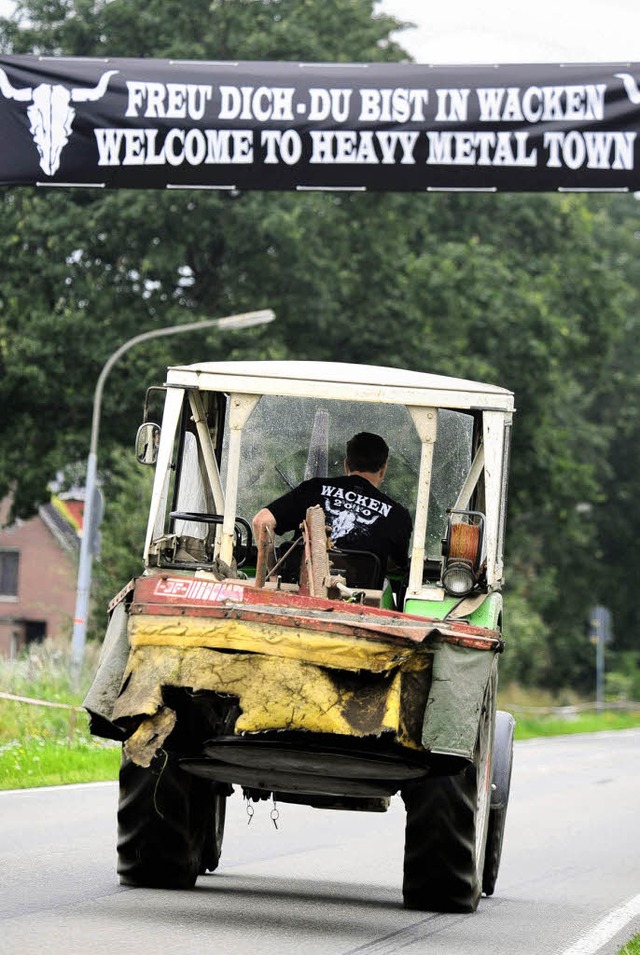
[446, 830]
[500, 786]
[162, 824]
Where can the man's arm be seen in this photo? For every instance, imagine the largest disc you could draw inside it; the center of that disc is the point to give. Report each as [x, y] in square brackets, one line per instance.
[399, 552]
[264, 530]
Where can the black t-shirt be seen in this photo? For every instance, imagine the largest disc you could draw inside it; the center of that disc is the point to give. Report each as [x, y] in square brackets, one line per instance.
[360, 515]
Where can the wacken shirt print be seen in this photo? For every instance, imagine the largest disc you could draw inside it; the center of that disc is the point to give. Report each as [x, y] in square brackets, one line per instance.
[360, 515]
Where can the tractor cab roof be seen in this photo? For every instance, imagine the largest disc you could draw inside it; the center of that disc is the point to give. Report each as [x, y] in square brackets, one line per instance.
[340, 380]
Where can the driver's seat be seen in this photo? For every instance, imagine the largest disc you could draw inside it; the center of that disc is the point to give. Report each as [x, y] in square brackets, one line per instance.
[361, 568]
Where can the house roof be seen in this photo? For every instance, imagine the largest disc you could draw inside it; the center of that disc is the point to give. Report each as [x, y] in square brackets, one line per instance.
[64, 519]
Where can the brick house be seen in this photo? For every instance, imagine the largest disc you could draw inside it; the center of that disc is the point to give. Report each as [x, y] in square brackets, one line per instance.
[38, 574]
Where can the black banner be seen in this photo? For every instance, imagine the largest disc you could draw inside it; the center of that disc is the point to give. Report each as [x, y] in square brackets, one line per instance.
[129, 123]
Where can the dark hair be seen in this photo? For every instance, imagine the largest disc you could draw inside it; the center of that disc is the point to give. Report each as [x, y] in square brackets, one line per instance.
[367, 452]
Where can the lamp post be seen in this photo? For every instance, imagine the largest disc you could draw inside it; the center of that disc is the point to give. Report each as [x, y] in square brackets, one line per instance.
[600, 633]
[91, 517]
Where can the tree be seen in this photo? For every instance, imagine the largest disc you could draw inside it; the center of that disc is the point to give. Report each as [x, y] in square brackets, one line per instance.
[536, 293]
[102, 268]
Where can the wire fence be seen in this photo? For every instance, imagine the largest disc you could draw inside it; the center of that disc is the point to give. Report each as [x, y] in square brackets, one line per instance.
[73, 709]
[568, 711]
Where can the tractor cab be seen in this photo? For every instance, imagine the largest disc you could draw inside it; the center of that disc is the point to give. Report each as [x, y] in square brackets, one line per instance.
[237, 435]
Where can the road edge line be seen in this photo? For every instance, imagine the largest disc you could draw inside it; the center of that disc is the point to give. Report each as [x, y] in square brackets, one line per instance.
[605, 929]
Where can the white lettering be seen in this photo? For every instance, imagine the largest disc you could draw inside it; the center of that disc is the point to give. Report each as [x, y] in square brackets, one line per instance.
[482, 149]
[133, 152]
[152, 157]
[540, 104]
[366, 148]
[349, 146]
[532, 104]
[195, 147]
[167, 101]
[452, 105]
[177, 105]
[333, 102]
[218, 141]
[490, 100]
[264, 103]
[418, 99]
[512, 111]
[174, 147]
[136, 97]
[396, 105]
[320, 105]
[108, 143]
[596, 150]
[346, 142]
[286, 145]
[138, 147]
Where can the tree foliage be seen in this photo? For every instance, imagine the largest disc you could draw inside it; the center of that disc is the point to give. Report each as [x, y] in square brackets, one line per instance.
[537, 293]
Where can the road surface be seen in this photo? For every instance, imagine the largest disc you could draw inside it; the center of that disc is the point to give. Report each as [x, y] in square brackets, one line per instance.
[330, 882]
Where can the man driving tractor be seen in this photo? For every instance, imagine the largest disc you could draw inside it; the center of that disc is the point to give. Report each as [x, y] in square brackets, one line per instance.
[360, 516]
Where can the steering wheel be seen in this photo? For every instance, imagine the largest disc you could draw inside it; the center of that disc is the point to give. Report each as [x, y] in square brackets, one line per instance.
[202, 518]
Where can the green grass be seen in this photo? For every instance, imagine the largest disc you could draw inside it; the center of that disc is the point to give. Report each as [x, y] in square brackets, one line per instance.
[38, 762]
[528, 706]
[528, 727]
[632, 947]
[47, 746]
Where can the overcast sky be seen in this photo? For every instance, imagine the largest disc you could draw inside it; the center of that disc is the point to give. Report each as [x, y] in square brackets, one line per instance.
[512, 31]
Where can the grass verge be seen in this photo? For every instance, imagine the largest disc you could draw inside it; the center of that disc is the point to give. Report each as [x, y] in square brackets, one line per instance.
[632, 947]
[38, 762]
[528, 727]
[49, 745]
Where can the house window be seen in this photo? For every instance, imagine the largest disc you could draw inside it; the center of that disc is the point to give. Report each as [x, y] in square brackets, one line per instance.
[9, 560]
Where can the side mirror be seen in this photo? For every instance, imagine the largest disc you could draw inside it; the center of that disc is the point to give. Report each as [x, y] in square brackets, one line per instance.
[147, 441]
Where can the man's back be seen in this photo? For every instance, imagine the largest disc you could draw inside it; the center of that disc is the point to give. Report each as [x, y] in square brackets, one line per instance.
[360, 516]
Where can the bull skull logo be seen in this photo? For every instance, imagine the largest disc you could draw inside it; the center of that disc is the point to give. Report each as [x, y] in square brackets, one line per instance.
[51, 114]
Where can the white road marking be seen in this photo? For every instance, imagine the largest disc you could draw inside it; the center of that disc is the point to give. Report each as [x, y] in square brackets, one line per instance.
[605, 929]
[56, 789]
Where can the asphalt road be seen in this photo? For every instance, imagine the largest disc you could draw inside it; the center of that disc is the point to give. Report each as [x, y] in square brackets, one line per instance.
[330, 883]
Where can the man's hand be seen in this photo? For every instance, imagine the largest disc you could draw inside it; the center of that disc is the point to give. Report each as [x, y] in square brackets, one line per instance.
[264, 518]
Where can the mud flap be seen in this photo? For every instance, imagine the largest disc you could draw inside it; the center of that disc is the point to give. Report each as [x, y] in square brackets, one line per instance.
[452, 715]
[104, 690]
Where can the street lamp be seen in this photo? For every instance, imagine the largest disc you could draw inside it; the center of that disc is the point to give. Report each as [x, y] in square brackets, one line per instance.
[91, 518]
